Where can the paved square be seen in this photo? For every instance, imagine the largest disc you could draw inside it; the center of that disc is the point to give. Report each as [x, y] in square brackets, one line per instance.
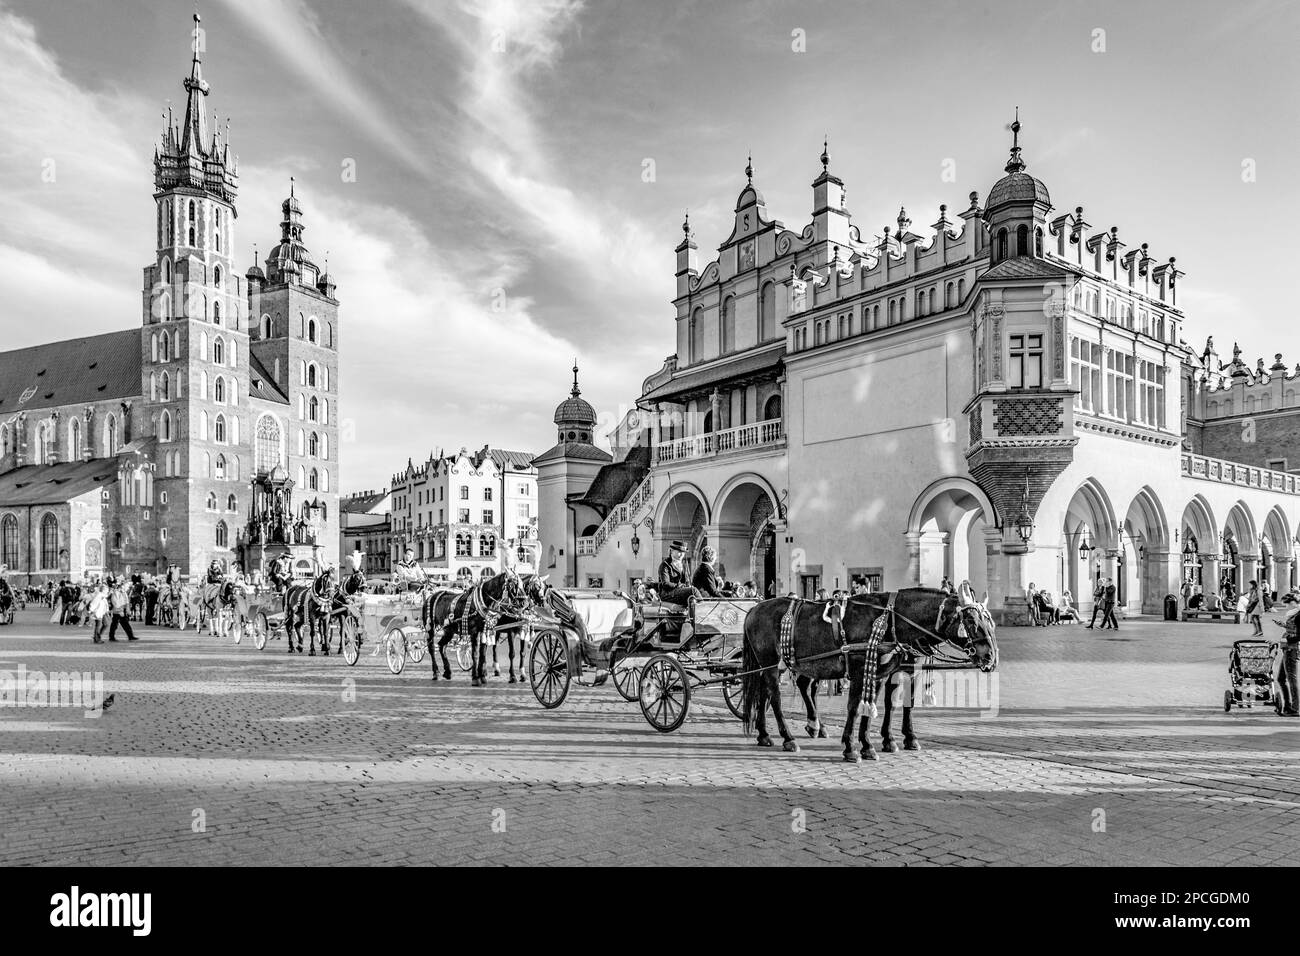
[220, 754]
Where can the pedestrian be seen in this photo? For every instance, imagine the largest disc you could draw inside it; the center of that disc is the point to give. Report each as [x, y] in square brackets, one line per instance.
[1287, 675]
[119, 608]
[1254, 607]
[1108, 606]
[1031, 596]
[1098, 593]
[99, 612]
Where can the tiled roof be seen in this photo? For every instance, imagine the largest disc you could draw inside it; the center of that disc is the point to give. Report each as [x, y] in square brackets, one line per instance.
[71, 372]
[614, 482]
[514, 460]
[1027, 267]
[52, 484]
[260, 383]
[573, 449]
[363, 504]
[763, 360]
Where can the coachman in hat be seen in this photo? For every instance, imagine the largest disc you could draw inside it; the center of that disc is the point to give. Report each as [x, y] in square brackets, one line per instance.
[673, 587]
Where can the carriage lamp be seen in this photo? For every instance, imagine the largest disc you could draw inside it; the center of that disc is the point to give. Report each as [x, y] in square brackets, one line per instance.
[636, 543]
[1025, 521]
[1085, 549]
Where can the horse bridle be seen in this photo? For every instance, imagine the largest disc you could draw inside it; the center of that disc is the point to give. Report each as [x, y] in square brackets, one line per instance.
[939, 639]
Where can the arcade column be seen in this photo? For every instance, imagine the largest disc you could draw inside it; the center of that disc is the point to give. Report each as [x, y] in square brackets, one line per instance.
[913, 558]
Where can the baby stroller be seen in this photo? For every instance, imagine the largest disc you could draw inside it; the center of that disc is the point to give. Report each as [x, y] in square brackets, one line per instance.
[1251, 666]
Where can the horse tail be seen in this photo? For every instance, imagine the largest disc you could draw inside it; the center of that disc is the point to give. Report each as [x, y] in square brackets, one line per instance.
[751, 682]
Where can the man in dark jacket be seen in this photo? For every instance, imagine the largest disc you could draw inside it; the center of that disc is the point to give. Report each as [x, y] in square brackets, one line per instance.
[1108, 606]
[1098, 601]
[673, 588]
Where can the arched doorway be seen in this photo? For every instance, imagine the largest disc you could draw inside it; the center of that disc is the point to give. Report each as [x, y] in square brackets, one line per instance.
[946, 534]
[1240, 544]
[1090, 544]
[1144, 547]
[681, 516]
[746, 548]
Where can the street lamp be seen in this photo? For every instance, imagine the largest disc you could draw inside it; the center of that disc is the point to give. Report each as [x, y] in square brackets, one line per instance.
[1025, 521]
[1085, 549]
[636, 543]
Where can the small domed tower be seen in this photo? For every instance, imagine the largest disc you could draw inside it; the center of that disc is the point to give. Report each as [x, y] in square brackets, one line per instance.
[575, 419]
[1016, 209]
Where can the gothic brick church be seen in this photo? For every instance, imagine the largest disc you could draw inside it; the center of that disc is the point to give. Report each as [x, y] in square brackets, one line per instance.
[161, 446]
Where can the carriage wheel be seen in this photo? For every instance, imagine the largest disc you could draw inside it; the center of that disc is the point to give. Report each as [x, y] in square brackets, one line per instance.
[418, 648]
[627, 676]
[665, 693]
[395, 649]
[731, 693]
[1227, 701]
[351, 652]
[261, 628]
[464, 653]
[548, 669]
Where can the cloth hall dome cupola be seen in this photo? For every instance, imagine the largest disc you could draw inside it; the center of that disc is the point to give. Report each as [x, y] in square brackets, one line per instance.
[574, 417]
[1016, 208]
[289, 260]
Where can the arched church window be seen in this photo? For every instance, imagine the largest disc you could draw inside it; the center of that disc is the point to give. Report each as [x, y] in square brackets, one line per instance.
[311, 330]
[218, 351]
[216, 313]
[219, 391]
[1001, 248]
[267, 444]
[266, 330]
[216, 271]
[221, 473]
[313, 409]
[1022, 240]
[219, 429]
[1038, 242]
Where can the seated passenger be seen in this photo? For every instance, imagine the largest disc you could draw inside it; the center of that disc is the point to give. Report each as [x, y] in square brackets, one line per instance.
[673, 588]
[705, 580]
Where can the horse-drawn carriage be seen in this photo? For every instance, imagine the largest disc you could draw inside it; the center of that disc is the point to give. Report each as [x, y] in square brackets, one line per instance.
[269, 614]
[394, 622]
[655, 653]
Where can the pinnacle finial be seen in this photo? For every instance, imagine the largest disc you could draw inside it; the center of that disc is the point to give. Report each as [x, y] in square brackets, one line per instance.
[1015, 164]
[686, 225]
[576, 392]
[826, 155]
[290, 187]
[749, 169]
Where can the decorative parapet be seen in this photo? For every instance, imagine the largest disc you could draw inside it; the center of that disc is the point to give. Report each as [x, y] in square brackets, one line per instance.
[1234, 473]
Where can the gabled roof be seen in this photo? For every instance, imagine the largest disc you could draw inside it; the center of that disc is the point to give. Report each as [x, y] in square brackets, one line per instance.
[54, 484]
[513, 460]
[362, 504]
[573, 449]
[71, 372]
[260, 383]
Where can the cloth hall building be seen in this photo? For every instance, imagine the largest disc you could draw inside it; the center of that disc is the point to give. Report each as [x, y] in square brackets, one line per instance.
[209, 431]
[1006, 399]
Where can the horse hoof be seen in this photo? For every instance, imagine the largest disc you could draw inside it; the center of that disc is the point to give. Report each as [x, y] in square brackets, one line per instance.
[911, 744]
[870, 754]
[811, 729]
[821, 731]
[446, 675]
[790, 747]
[310, 653]
[765, 741]
[852, 757]
[888, 746]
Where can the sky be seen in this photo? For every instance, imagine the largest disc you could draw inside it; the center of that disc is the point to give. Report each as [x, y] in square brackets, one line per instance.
[522, 166]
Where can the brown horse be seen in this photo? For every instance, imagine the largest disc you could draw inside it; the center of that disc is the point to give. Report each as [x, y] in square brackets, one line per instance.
[918, 622]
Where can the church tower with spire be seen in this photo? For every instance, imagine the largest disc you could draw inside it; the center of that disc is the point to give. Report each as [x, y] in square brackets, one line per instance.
[194, 344]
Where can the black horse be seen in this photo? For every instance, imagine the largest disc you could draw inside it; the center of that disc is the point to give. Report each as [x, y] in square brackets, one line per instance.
[917, 622]
[310, 604]
[470, 613]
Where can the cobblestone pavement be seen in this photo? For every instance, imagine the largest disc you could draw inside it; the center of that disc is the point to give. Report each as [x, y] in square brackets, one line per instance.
[1104, 748]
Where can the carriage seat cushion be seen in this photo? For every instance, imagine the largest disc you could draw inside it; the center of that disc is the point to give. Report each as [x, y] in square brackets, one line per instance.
[602, 615]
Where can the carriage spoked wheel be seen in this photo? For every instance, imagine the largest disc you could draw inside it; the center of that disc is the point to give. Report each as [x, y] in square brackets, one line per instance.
[665, 693]
[1227, 701]
[351, 650]
[395, 649]
[261, 628]
[548, 669]
[464, 653]
[731, 693]
[627, 676]
[418, 648]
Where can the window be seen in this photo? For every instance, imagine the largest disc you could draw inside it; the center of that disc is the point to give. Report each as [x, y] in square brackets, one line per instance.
[464, 492]
[1119, 384]
[311, 375]
[266, 451]
[221, 473]
[219, 430]
[313, 409]
[697, 336]
[767, 313]
[1002, 245]
[165, 426]
[1151, 394]
[1022, 241]
[110, 436]
[1025, 367]
[1085, 374]
[266, 334]
[216, 313]
[311, 330]
[1038, 242]
[74, 439]
[521, 511]
[212, 501]
[219, 391]
[313, 480]
[165, 393]
[728, 325]
[489, 516]
[487, 545]
[9, 542]
[462, 515]
[462, 545]
[231, 503]
[49, 543]
[219, 350]
[223, 535]
[313, 445]
[487, 494]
